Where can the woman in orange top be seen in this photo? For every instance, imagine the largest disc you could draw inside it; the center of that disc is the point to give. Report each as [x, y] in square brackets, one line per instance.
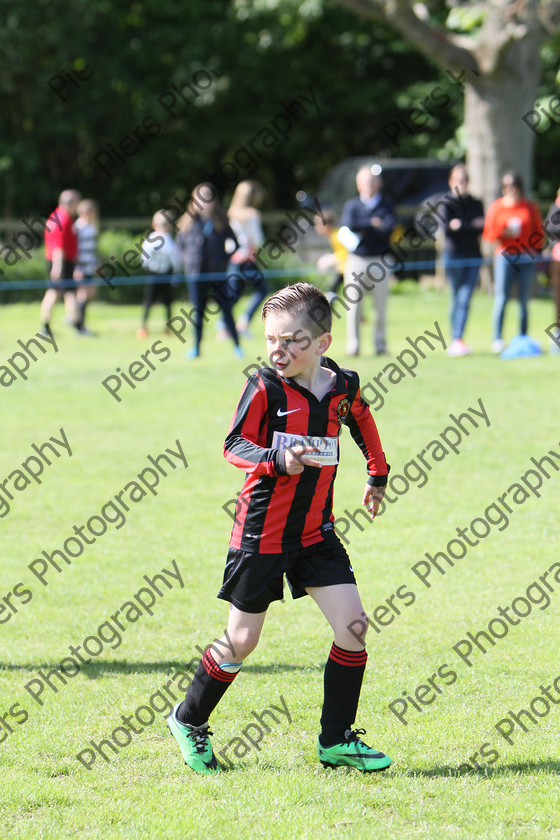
[514, 224]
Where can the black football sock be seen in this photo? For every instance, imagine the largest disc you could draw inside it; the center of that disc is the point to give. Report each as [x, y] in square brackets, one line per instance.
[210, 683]
[343, 677]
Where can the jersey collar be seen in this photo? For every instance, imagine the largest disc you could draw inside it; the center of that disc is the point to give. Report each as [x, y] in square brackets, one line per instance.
[339, 386]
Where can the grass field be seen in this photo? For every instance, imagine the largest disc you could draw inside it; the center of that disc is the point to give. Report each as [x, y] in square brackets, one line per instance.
[276, 789]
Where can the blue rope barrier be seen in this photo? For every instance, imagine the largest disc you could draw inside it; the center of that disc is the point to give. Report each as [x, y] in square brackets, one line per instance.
[142, 279]
[210, 277]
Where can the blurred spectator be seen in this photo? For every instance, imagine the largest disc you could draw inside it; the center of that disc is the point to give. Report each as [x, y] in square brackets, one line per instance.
[371, 218]
[246, 222]
[87, 232]
[163, 258]
[511, 223]
[552, 228]
[462, 224]
[61, 246]
[336, 260]
[207, 242]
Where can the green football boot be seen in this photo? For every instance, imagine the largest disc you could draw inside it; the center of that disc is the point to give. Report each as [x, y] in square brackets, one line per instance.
[194, 744]
[353, 753]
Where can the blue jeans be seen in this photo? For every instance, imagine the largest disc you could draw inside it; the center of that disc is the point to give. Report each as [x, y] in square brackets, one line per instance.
[505, 275]
[462, 279]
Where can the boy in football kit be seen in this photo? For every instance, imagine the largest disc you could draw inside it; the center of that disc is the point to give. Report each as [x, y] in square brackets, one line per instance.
[284, 436]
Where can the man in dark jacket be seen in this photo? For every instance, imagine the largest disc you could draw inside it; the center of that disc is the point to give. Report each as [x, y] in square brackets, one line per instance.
[371, 218]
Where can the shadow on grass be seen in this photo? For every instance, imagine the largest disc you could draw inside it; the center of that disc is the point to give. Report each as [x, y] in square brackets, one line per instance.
[97, 669]
[520, 768]
[444, 771]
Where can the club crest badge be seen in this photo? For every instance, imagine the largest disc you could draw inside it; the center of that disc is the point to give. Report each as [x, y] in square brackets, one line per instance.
[342, 411]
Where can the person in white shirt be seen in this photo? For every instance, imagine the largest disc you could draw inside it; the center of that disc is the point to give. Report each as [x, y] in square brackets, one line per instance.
[161, 257]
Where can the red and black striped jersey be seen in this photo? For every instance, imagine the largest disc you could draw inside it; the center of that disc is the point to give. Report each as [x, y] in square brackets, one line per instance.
[276, 512]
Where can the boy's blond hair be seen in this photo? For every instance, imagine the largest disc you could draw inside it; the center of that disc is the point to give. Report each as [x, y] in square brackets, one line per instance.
[304, 302]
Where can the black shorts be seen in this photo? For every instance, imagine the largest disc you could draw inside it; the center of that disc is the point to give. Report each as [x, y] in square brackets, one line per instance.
[67, 282]
[252, 581]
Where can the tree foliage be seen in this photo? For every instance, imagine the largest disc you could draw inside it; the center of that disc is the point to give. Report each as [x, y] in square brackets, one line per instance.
[497, 45]
[261, 55]
[264, 57]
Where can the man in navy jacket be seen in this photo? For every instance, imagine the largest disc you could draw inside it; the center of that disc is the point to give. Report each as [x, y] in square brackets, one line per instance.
[372, 218]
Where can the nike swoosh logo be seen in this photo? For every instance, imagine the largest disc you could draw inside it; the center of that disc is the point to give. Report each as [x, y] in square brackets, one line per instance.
[283, 413]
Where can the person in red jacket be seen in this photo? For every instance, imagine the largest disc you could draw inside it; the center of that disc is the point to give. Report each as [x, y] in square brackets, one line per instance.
[285, 438]
[514, 224]
[61, 248]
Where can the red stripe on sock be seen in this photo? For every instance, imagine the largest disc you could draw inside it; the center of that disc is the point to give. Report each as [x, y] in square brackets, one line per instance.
[351, 658]
[214, 670]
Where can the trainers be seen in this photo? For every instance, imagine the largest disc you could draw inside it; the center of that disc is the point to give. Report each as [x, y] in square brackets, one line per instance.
[194, 744]
[458, 348]
[498, 345]
[142, 332]
[353, 753]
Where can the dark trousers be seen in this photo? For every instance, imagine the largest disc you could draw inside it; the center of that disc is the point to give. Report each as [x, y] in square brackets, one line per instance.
[199, 293]
[157, 292]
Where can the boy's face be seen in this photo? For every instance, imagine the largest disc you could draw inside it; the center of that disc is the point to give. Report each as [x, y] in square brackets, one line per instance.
[291, 348]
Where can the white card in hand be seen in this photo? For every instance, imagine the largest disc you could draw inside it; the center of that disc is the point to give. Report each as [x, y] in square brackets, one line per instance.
[327, 446]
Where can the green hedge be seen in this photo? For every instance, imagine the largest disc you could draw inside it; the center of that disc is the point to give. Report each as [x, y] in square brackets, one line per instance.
[112, 243]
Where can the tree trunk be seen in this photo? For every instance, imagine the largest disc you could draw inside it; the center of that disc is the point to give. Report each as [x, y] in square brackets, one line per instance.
[497, 137]
[501, 69]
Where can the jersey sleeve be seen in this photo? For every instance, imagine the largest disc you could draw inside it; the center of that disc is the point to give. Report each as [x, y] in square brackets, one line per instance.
[364, 431]
[242, 447]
